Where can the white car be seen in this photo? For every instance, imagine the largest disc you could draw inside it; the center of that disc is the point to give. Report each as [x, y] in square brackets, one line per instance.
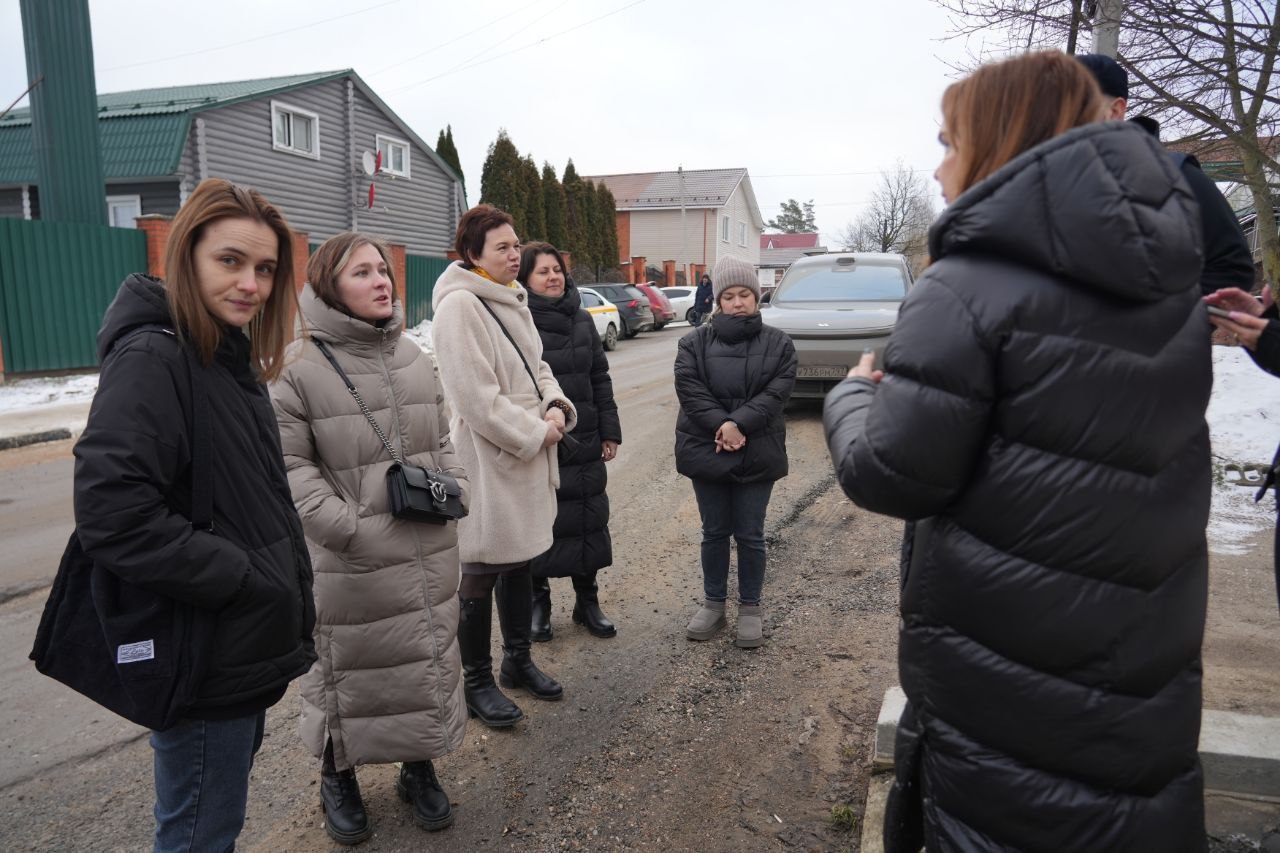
[682, 299]
[605, 313]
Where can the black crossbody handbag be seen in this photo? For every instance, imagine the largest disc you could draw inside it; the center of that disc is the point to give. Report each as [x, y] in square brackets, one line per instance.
[137, 653]
[415, 493]
[568, 445]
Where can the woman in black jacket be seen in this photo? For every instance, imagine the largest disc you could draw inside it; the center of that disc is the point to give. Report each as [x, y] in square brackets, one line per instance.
[734, 376]
[229, 267]
[571, 348]
[1040, 424]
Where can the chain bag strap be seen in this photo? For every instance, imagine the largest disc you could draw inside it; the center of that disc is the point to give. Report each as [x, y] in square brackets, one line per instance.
[415, 493]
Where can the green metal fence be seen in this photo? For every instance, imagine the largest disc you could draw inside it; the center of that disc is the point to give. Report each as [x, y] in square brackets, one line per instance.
[420, 274]
[56, 281]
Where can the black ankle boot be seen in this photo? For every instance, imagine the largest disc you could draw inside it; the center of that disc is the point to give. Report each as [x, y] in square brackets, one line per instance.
[344, 816]
[515, 614]
[484, 700]
[540, 631]
[419, 787]
[586, 611]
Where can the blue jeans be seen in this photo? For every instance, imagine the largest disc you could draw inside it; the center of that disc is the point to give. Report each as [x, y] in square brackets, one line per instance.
[737, 509]
[202, 782]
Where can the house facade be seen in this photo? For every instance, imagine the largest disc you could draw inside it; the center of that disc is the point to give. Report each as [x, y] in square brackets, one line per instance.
[300, 140]
[684, 221]
[780, 251]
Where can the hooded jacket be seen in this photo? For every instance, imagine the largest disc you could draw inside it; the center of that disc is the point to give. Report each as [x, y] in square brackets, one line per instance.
[388, 682]
[1041, 421]
[133, 496]
[497, 419]
[571, 348]
[734, 369]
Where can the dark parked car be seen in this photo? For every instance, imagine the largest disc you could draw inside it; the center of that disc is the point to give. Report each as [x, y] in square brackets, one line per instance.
[633, 306]
[663, 313]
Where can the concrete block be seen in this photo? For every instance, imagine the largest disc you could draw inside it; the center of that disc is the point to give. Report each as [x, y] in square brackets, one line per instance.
[878, 787]
[1240, 753]
[887, 726]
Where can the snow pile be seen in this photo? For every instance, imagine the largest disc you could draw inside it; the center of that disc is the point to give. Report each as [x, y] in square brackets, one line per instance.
[18, 394]
[1244, 427]
[421, 335]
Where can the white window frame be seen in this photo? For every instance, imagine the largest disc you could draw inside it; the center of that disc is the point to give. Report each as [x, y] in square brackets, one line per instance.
[742, 234]
[724, 229]
[379, 139]
[132, 200]
[279, 107]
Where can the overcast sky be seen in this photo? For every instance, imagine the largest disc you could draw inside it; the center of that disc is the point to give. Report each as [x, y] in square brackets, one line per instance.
[801, 93]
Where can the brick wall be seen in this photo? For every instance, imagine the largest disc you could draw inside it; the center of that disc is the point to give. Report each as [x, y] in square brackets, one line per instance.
[398, 270]
[156, 227]
[624, 236]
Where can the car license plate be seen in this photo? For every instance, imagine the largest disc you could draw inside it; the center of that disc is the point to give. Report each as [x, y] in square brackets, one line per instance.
[822, 371]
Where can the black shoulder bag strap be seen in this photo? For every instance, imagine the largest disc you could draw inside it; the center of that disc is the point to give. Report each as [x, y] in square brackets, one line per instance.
[351, 389]
[515, 345]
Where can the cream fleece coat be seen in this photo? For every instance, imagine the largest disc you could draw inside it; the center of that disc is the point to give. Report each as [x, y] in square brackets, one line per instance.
[388, 682]
[497, 424]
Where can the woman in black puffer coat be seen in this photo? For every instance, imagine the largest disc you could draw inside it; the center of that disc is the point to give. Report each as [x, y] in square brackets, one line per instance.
[571, 347]
[1040, 424]
[734, 376]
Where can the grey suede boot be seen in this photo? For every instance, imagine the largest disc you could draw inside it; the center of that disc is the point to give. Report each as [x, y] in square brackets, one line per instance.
[707, 622]
[750, 627]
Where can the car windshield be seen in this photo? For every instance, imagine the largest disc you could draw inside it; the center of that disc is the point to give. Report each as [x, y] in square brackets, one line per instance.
[841, 283]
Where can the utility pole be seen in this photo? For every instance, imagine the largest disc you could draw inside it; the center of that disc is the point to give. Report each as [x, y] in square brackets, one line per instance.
[684, 231]
[1106, 27]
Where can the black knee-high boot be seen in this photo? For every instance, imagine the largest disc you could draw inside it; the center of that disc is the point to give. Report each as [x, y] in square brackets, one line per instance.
[485, 701]
[541, 620]
[515, 613]
[586, 611]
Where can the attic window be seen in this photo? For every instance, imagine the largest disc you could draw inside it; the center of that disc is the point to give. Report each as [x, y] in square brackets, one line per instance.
[295, 130]
[395, 155]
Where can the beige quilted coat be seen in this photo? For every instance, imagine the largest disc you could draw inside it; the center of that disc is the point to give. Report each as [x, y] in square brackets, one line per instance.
[497, 419]
[388, 682]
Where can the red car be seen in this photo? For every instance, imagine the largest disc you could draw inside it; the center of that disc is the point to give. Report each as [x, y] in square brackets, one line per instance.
[663, 313]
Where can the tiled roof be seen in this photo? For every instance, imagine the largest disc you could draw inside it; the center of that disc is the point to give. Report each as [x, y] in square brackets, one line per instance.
[787, 257]
[788, 241]
[143, 131]
[702, 188]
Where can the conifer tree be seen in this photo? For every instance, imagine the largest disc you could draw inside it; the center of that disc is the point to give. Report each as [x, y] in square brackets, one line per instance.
[607, 216]
[502, 180]
[574, 241]
[535, 216]
[449, 153]
[553, 206]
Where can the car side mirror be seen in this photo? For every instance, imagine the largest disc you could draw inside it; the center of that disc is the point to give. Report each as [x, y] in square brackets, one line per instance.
[764, 300]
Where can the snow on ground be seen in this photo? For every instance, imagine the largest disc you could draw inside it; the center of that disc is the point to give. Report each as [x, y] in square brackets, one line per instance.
[21, 394]
[421, 334]
[1244, 426]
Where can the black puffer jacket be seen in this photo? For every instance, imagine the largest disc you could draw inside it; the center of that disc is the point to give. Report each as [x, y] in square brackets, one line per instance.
[133, 488]
[734, 369]
[1041, 421]
[571, 348]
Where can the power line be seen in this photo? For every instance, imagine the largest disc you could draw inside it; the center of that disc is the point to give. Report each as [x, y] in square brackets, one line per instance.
[251, 40]
[826, 174]
[518, 49]
[467, 34]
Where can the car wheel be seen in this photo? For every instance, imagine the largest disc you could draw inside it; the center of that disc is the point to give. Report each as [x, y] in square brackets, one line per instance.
[689, 316]
[611, 338]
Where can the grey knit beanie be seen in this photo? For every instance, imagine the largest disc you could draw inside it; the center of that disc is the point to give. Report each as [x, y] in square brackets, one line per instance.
[734, 272]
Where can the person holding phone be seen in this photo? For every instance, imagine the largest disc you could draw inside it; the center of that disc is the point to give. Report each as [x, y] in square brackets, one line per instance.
[571, 347]
[1039, 422]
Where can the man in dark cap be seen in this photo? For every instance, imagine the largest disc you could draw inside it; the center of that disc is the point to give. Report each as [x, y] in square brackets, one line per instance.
[1227, 259]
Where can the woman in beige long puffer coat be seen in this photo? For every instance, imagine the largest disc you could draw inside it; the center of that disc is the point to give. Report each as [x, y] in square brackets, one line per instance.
[388, 683]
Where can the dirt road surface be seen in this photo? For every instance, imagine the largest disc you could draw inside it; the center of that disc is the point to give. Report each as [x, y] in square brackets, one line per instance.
[659, 743]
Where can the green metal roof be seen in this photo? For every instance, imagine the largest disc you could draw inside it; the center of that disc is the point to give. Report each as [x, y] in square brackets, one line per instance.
[142, 131]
